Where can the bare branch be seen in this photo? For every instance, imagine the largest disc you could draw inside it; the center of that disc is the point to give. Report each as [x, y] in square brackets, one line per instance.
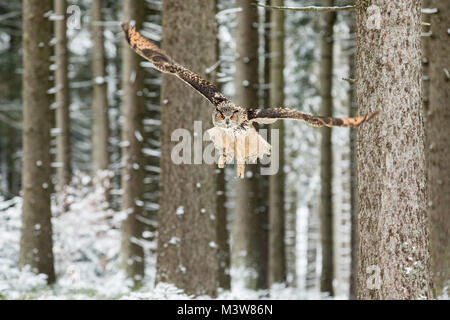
[309, 8]
[349, 80]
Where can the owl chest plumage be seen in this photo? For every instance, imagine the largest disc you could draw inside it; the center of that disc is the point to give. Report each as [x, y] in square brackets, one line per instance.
[241, 143]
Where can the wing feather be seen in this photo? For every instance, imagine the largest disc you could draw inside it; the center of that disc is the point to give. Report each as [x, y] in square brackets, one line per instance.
[164, 63]
[267, 115]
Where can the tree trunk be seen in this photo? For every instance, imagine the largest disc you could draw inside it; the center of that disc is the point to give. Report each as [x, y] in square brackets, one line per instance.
[437, 126]
[132, 253]
[10, 86]
[311, 246]
[394, 248]
[426, 18]
[247, 245]
[36, 246]
[223, 236]
[353, 168]
[326, 174]
[222, 232]
[187, 234]
[277, 257]
[13, 146]
[151, 141]
[263, 180]
[291, 240]
[62, 101]
[100, 127]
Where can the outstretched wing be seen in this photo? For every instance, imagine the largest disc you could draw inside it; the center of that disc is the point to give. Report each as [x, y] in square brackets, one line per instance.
[164, 63]
[272, 115]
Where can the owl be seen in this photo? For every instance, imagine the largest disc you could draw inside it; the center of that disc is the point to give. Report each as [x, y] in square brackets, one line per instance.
[233, 133]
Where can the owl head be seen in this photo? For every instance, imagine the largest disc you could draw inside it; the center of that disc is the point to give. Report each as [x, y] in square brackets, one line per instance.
[226, 116]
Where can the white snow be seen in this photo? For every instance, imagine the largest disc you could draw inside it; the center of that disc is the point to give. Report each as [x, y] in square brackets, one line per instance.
[138, 136]
[180, 210]
[99, 80]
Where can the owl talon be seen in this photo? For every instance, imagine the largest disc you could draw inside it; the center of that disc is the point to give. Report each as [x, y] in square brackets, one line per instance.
[221, 162]
[240, 170]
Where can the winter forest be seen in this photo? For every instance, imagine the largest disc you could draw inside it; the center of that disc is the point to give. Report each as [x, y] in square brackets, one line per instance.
[99, 199]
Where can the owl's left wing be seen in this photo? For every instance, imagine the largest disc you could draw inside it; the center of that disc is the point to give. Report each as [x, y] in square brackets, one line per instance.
[272, 115]
[164, 63]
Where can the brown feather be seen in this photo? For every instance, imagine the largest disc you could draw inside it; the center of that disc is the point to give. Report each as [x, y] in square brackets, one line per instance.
[164, 63]
[260, 115]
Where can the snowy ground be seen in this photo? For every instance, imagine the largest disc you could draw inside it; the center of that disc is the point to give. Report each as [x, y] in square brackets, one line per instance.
[86, 250]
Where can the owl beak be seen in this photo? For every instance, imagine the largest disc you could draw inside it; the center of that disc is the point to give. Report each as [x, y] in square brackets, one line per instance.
[228, 121]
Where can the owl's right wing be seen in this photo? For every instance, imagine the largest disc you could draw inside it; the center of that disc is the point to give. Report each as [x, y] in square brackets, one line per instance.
[164, 63]
[272, 115]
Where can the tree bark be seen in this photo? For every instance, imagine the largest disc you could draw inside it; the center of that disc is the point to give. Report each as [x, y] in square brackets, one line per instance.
[426, 18]
[100, 127]
[223, 251]
[132, 253]
[353, 168]
[247, 245]
[437, 126]
[187, 233]
[326, 162]
[223, 236]
[36, 246]
[277, 257]
[394, 247]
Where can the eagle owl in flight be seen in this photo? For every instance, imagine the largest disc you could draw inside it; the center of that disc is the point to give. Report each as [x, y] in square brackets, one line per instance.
[233, 134]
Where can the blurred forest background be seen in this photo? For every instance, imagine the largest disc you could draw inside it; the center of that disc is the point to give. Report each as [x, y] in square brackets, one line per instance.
[91, 205]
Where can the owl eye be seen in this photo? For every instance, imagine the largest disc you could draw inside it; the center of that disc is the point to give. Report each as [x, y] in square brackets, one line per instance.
[232, 117]
[221, 117]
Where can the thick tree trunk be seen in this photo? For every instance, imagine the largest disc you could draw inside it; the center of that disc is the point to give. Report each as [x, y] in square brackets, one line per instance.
[132, 253]
[394, 247]
[247, 245]
[353, 168]
[277, 257]
[100, 127]
[437, 126]
[36, 236]
[326, 174]
[64, 170]
[187, 234]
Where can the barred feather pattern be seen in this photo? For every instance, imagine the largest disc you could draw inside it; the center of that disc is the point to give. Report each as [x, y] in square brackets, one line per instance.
[262, 115]
[164, 63]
